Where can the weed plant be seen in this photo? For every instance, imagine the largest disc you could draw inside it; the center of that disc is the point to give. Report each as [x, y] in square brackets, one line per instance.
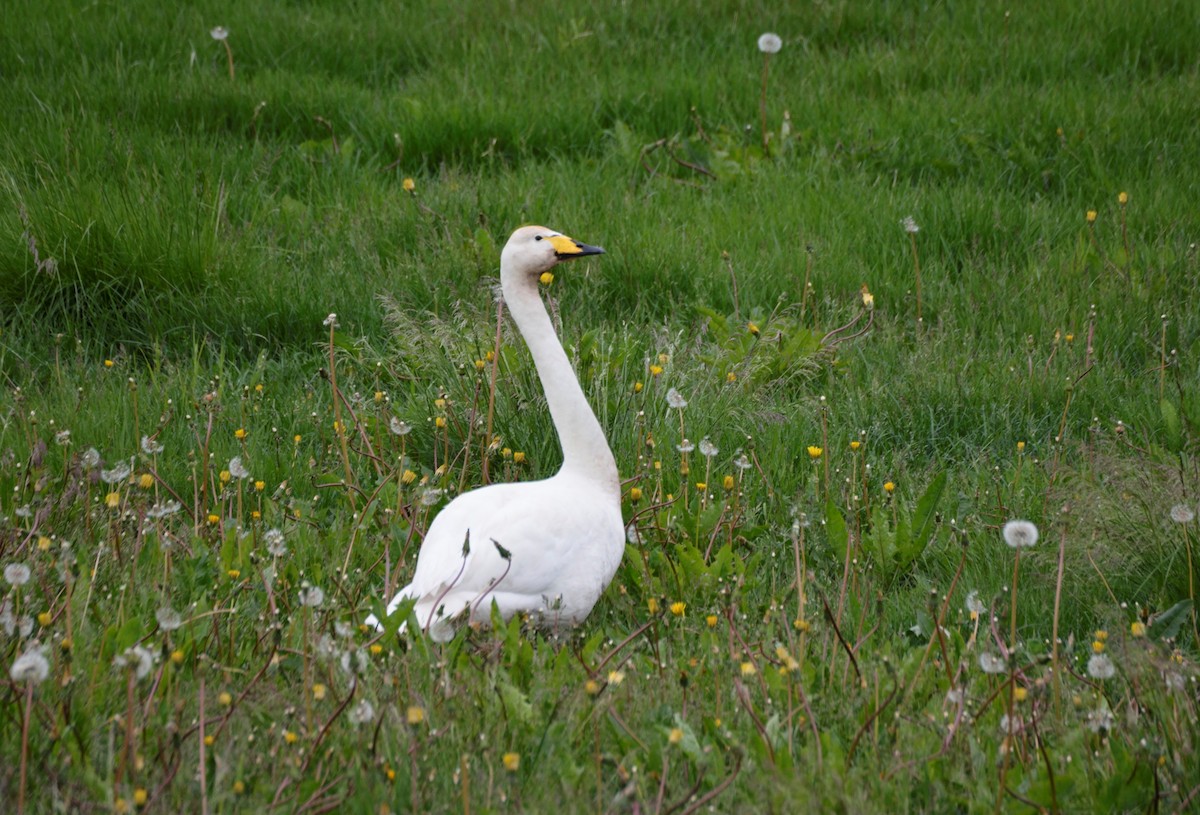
[852, 330]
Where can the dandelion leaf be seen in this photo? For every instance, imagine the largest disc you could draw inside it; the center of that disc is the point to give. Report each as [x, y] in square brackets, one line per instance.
[1166, 625]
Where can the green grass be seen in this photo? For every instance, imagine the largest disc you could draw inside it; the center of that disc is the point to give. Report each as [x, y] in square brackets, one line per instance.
[200, 237]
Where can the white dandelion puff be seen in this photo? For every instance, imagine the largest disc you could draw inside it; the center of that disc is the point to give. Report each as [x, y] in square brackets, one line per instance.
[168, 618]
[91, 459]
[275, 543]
[331, 321]
[742, 462]
[910, 225]
[117, 474]
[685, 446]
[1101, 719]
[219, 33]
[151, 447]
[770, 43]
[1182, 514]
[138, 658]
[991, 664]
[675, 399]
[17, 574]
[974, 605]
[363, 712]
[1020, 534]
[311, 596]
[62, 438]
[237, 469]
[707, 448]
[398, 427]
[163, 510]
[431, 496]
[1101, 667]
[32, 667]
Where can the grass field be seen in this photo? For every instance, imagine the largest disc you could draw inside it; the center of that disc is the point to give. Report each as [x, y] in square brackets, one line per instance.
[822, 615]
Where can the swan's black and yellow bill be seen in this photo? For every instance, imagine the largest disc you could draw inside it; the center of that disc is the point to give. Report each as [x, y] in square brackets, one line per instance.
[567, 248]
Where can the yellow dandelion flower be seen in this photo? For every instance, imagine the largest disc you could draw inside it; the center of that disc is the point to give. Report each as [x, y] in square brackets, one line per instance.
[225, 476]
[415, 714]
[711, 620]
[177, 657]
[801, 624]
[591, 687]
[439, 422]
[234, 574]
[409, 185]
[259, 486]
[1069, 338]
[888, 486]
[239, 787]
[376, 649]
[1097, 647]
[210, 740]
[378, 397]
[45, 618]
[1091, 216]
[753, 328]
[480, 364]
[408, 477]
[258, 388]
[1101, 635]
[213, 518]
[731, 377]
[652, 605]
[678, 608]
[120, 806]
[1019, 694]
[814, 452]
[108, 363]
[675, 736]
[1137, 628]
[637, 387]
[296, 439]
[225, 699]
[240, 433]
[748, 669]
[1123, 198]
[112, 500]
[290, 737]
[512, 762]
[616, 677]
[518, 457]
[390, 773]
[439, 403]
[655, 370]
[701, 486]
[546, 278]
[854, 445]
[635, 494]
[318, 691]
[44, 543]
[1020, 447]
[727, 482]
[146, 481]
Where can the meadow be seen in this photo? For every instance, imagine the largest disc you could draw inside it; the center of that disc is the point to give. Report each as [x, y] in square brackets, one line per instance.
[928, 269]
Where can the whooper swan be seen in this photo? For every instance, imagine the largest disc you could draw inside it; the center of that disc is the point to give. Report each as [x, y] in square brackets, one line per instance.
[548, 547]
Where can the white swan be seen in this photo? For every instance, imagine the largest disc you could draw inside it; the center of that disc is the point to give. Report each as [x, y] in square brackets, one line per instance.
[563, 537]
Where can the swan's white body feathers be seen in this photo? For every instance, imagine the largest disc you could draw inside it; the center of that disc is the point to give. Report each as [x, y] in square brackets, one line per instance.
[564, 535]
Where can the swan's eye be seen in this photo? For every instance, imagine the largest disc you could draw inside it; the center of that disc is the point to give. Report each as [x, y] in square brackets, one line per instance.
[538, 238]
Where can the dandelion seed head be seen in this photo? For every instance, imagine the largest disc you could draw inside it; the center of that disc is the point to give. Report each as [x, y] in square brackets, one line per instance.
[707, 448]
[311, 596]
[150, 447]
[32, 667]
[910, 225]
[1182, 514]
[363, 712]
[163, 510]
[275, 542]
[138, 658]
[168, 618]
[62, 438]
[1101, 667]
[742, 462]
[990, 663]
[770, 43]
[117, 474]
[685, 446]
[90, 459]
[398, 427]
[331, 321]
[17, 574]
[219, 33]
[974, 604]
[675, 399]
[1020, 534]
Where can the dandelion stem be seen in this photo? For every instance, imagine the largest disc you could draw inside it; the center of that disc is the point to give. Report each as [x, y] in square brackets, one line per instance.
[228, 57]
[912, 238]
[25, 746]
[762, 105]
[1058, 584]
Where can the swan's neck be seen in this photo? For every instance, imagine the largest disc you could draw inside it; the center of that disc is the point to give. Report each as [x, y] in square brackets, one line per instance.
[585, 449]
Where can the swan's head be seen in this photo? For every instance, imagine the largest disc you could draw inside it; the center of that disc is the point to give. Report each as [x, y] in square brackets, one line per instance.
[535, 249]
